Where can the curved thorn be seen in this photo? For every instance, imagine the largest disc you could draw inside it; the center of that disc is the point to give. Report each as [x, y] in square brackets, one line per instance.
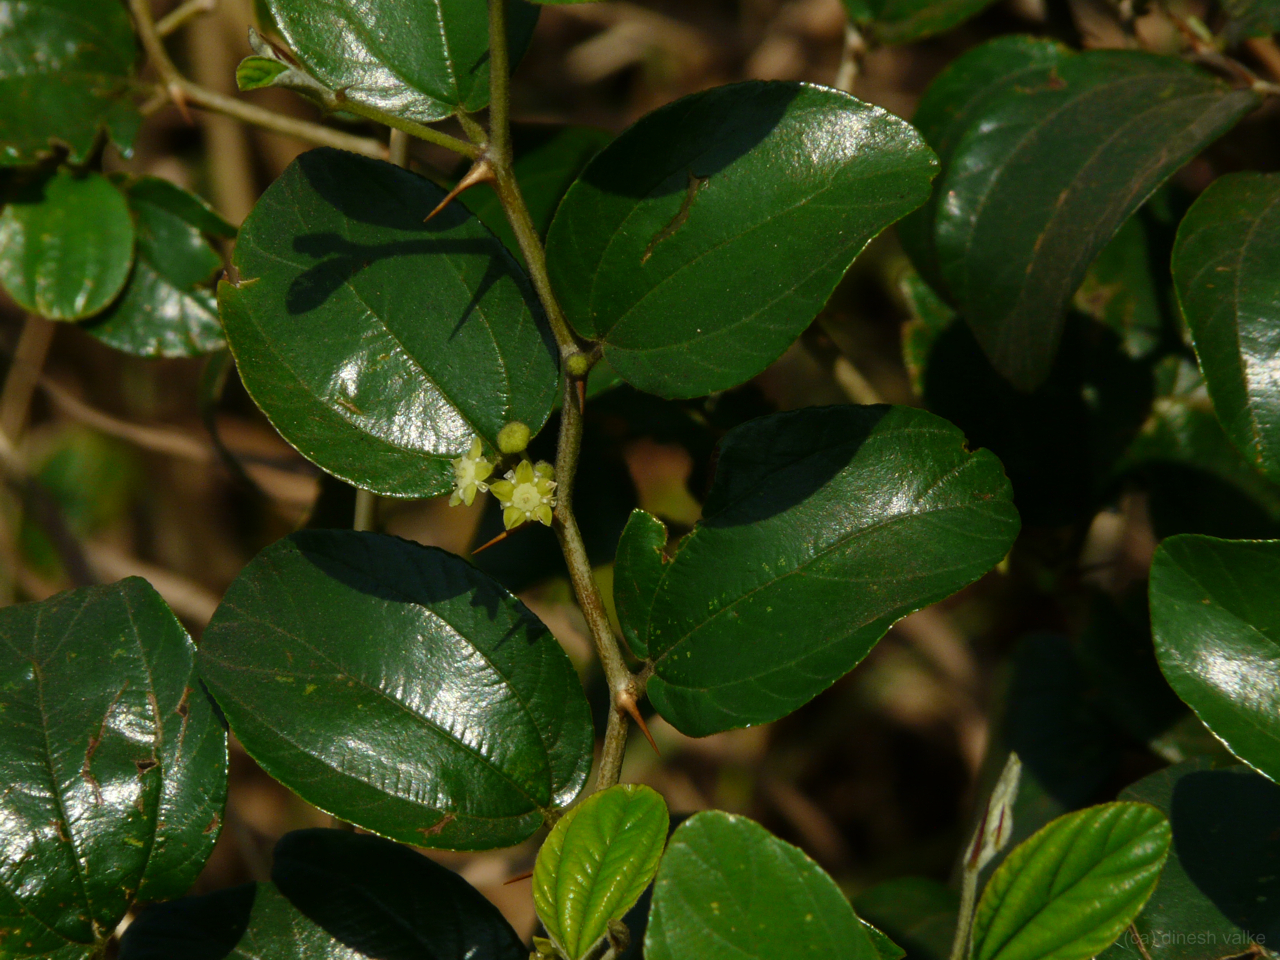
[480, 172]
[627, 704]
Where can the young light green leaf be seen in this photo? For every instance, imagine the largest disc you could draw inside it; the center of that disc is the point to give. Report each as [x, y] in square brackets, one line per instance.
[254, 73]
[378, 345]
[382, 899]
[66, 69]
[269, 67]
[1216, 897]
[66, 249]
[1070, 890]
[1217, 635]
[595, 864]
[824, 526]
[1046, 174]
[700, 243]
[166, 309]
[1226, 270]
[399, 688]
[729, 890]
[418, 61]
[114, 764]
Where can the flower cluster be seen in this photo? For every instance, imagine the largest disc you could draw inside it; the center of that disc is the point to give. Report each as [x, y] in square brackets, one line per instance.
[469, 475]
[526, 494]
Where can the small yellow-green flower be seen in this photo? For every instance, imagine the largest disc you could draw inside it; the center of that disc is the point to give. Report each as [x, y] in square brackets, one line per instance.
[526, 494]
[469, 475]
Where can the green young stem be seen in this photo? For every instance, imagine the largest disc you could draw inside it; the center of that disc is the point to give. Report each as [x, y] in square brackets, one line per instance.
[418, 130]
[964, 928]
[623, 686]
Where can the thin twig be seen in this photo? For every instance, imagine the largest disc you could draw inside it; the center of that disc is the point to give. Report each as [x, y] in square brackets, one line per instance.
[1268, 54]
[163, 440]
[177, 18]
[624, 687]
[24, 373]
[15, 402]
[422, 132]
[182, 91]
[855, 48]
[189, 600]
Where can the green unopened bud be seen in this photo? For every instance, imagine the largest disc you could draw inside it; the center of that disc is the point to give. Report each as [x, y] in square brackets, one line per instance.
[578, 365]
[513, 438]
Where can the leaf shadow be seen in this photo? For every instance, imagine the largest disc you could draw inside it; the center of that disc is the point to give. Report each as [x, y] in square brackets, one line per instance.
[409, 573]
[195, 928]
[341, 260]
[1226, 831]
[700, 135]
[769, 465]
[378, 194]
[384, 901]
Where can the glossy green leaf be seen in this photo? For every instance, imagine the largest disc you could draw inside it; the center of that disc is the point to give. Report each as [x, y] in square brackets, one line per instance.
[378, 345]
[548, 160]
[1195, 478]
[250, 922]
[824, 526]
[114, 766]
[1070, 890]
[1218, 891]
[382, 899]
[729, 890]
[65, 74]
[1226, 269]
[958, 97]
[419, 61]
[903, 21]
[595, 864]
[918, 913]
[66, 248]
[1045, 175]
[399, 688]
[1217, 633]
[166, 309]
[700, 243]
